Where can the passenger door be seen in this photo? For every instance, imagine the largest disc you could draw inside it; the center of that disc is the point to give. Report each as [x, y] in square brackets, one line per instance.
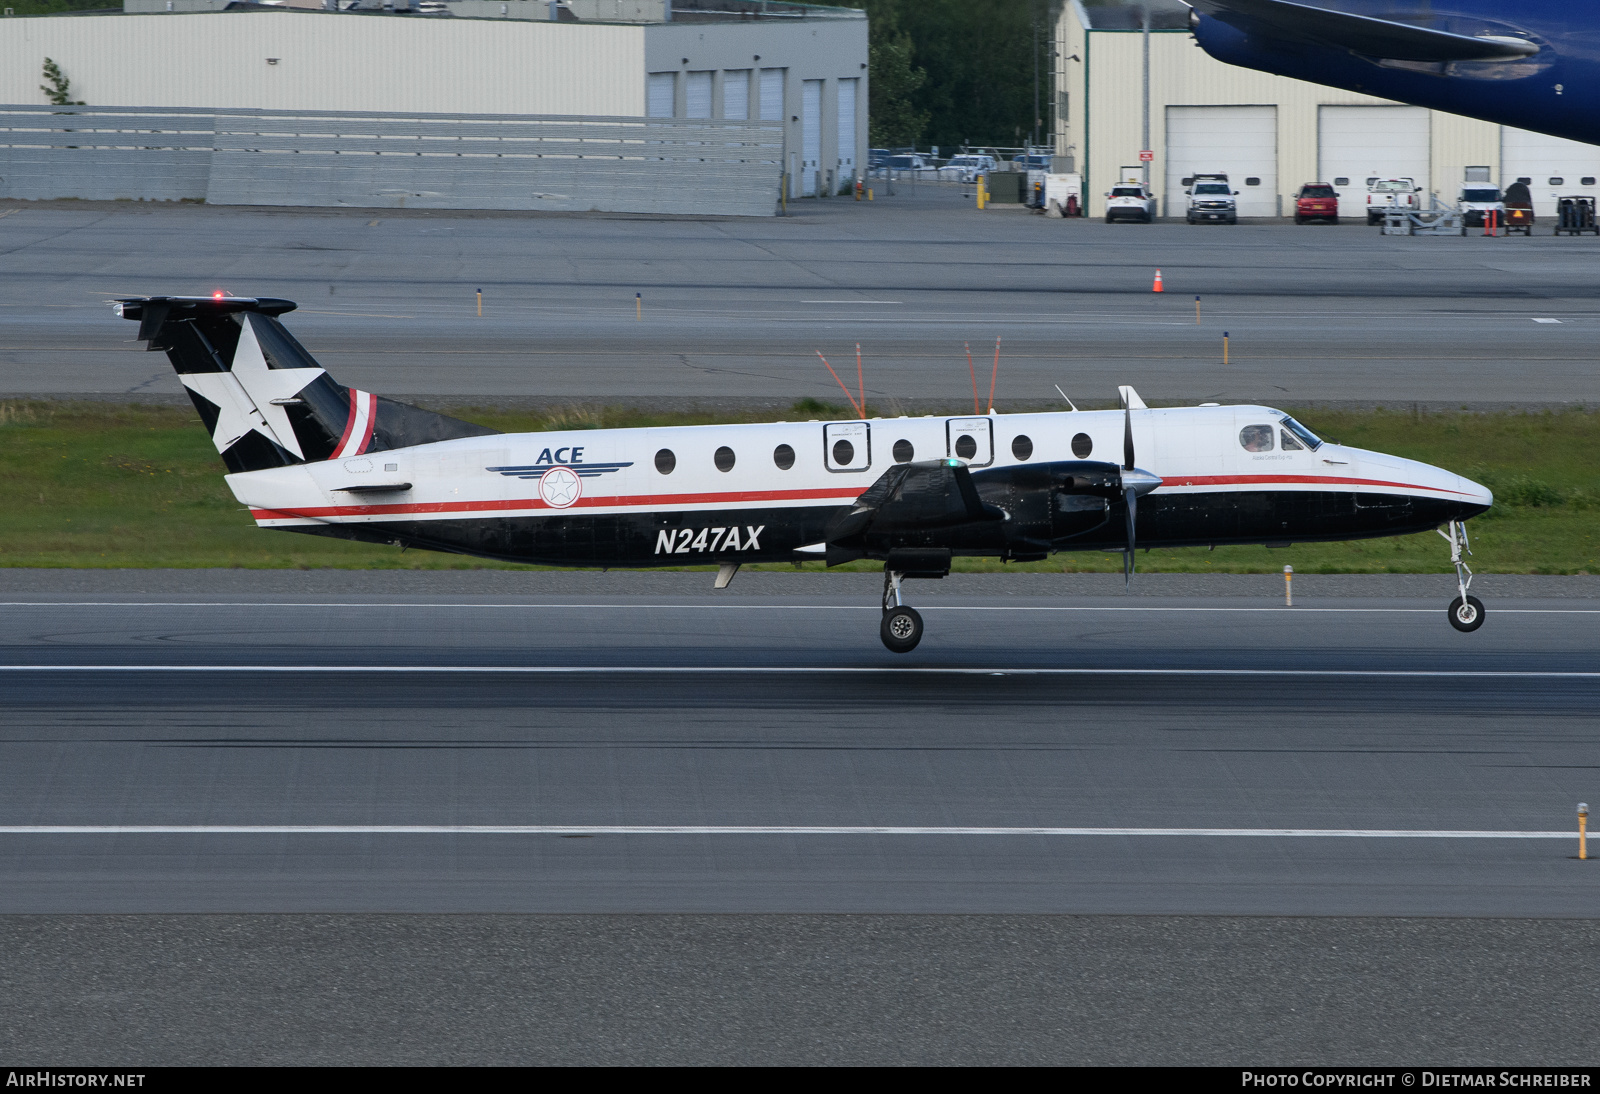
[970, 440]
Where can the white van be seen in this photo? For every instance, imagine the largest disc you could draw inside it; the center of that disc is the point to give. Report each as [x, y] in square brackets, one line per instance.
[1478, 199]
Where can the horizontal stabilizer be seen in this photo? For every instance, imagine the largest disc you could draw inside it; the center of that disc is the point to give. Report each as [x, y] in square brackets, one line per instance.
[1381, 38]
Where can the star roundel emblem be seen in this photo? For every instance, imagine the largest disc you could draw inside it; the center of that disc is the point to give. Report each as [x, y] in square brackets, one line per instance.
[560, 487]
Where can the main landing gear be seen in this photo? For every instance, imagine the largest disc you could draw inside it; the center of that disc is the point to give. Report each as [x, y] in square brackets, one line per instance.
[901, 628]
[1466, 612]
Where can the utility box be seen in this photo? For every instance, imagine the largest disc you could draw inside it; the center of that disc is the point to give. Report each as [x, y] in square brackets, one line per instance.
[1005, 187]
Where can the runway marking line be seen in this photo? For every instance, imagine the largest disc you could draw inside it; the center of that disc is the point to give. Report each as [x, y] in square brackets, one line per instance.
[625, 606]
[781, 670]
[740, 830]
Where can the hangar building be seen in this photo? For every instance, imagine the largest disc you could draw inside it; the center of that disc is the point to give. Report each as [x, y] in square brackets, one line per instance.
[802, 65]
[1269, 133]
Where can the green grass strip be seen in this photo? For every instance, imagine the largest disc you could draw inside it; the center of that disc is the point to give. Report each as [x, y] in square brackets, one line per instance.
[109, 485]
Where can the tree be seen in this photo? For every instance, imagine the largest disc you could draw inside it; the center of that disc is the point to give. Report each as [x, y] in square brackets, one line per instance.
[60, 90]
[959, 72]
[894, 79]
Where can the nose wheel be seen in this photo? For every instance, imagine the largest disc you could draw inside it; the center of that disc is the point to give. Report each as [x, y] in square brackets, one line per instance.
[901, 628]
[1466, 612]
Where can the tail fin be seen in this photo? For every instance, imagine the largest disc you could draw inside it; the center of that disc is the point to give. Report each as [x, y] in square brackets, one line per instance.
[264, 398]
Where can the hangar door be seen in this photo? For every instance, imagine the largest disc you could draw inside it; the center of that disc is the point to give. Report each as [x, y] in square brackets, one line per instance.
[1554, 167]
[810, 135]
[1355, 143]
[1239, 141]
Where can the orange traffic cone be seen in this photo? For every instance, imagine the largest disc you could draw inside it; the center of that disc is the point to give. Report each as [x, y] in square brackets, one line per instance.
[1157, 286]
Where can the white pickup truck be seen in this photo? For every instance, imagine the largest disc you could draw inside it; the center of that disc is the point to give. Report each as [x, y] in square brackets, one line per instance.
[1386, 196]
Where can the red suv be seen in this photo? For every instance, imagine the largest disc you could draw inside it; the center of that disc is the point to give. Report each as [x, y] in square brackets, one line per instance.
[1316, 201]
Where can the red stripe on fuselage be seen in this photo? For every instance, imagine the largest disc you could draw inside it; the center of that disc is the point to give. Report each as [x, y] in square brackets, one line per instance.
[468, 508]
[1284, 480]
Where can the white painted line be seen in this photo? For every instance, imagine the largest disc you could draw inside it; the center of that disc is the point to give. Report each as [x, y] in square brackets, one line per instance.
[740, 830]
[1547, 320]
[850, 301]
[1276, 609]
[783, 670]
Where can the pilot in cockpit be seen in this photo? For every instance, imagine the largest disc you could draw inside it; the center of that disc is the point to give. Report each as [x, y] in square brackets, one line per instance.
[1256, 438]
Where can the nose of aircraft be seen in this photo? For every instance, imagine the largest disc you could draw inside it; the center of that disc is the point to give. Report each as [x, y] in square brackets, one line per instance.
[1475, 495]
[1457, 496]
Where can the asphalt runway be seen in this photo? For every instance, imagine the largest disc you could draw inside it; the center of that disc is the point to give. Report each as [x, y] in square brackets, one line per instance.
[734, 311]
[1187, 826]
[753, 752]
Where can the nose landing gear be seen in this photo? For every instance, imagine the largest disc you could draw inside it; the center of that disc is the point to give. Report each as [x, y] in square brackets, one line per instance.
[901, 628]
[1466, 612]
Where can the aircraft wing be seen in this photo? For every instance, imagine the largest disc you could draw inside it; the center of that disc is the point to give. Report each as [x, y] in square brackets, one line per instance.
[1360, 33]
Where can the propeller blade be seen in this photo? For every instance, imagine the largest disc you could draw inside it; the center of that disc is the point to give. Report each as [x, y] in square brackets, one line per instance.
[1127, 435]
[1131, 498]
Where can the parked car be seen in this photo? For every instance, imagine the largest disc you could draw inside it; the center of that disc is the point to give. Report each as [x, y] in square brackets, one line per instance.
[1037, 161]
[1211, 198]
[1478, 199]
[877, 157]
[1386, 196]
[907, 163]
[967, 168]
[1316, 201]
[1130, 201]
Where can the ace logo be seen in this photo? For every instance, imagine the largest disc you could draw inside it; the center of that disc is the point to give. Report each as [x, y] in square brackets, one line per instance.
[683, 541]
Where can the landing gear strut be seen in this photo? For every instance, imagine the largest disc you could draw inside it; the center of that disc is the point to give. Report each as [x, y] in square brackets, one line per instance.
[901, 628]
[1466, 612]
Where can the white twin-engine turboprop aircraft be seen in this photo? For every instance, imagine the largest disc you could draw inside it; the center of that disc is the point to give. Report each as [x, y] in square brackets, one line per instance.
[308, 455]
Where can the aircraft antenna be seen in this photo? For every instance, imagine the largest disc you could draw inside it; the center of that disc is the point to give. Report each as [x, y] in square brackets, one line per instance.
[842, 388]
[995, 375]
[861, 387]
[973, 372]
[1064, 398]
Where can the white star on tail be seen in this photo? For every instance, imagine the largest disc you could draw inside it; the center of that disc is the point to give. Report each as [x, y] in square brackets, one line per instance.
[244, 397]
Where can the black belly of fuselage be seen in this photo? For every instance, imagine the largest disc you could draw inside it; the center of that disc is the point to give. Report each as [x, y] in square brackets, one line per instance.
[711, 536]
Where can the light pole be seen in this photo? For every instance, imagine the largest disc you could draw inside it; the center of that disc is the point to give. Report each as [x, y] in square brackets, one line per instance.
[1145, 16]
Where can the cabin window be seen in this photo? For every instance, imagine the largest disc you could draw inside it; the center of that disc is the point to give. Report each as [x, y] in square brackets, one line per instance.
[1587, 180]
[1252, 181]
[1256, 438]
[843, 452]
[1022, 446]
[966, 446]
[904, 452]
[783, 456]
[1289, 443]
[1341, 181]
[1525, 180]
[724, 458]
[1557, 180]
[1082, 445]
[666, 461]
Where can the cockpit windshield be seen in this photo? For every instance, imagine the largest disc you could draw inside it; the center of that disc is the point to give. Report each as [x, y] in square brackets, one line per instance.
[1313, 441]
